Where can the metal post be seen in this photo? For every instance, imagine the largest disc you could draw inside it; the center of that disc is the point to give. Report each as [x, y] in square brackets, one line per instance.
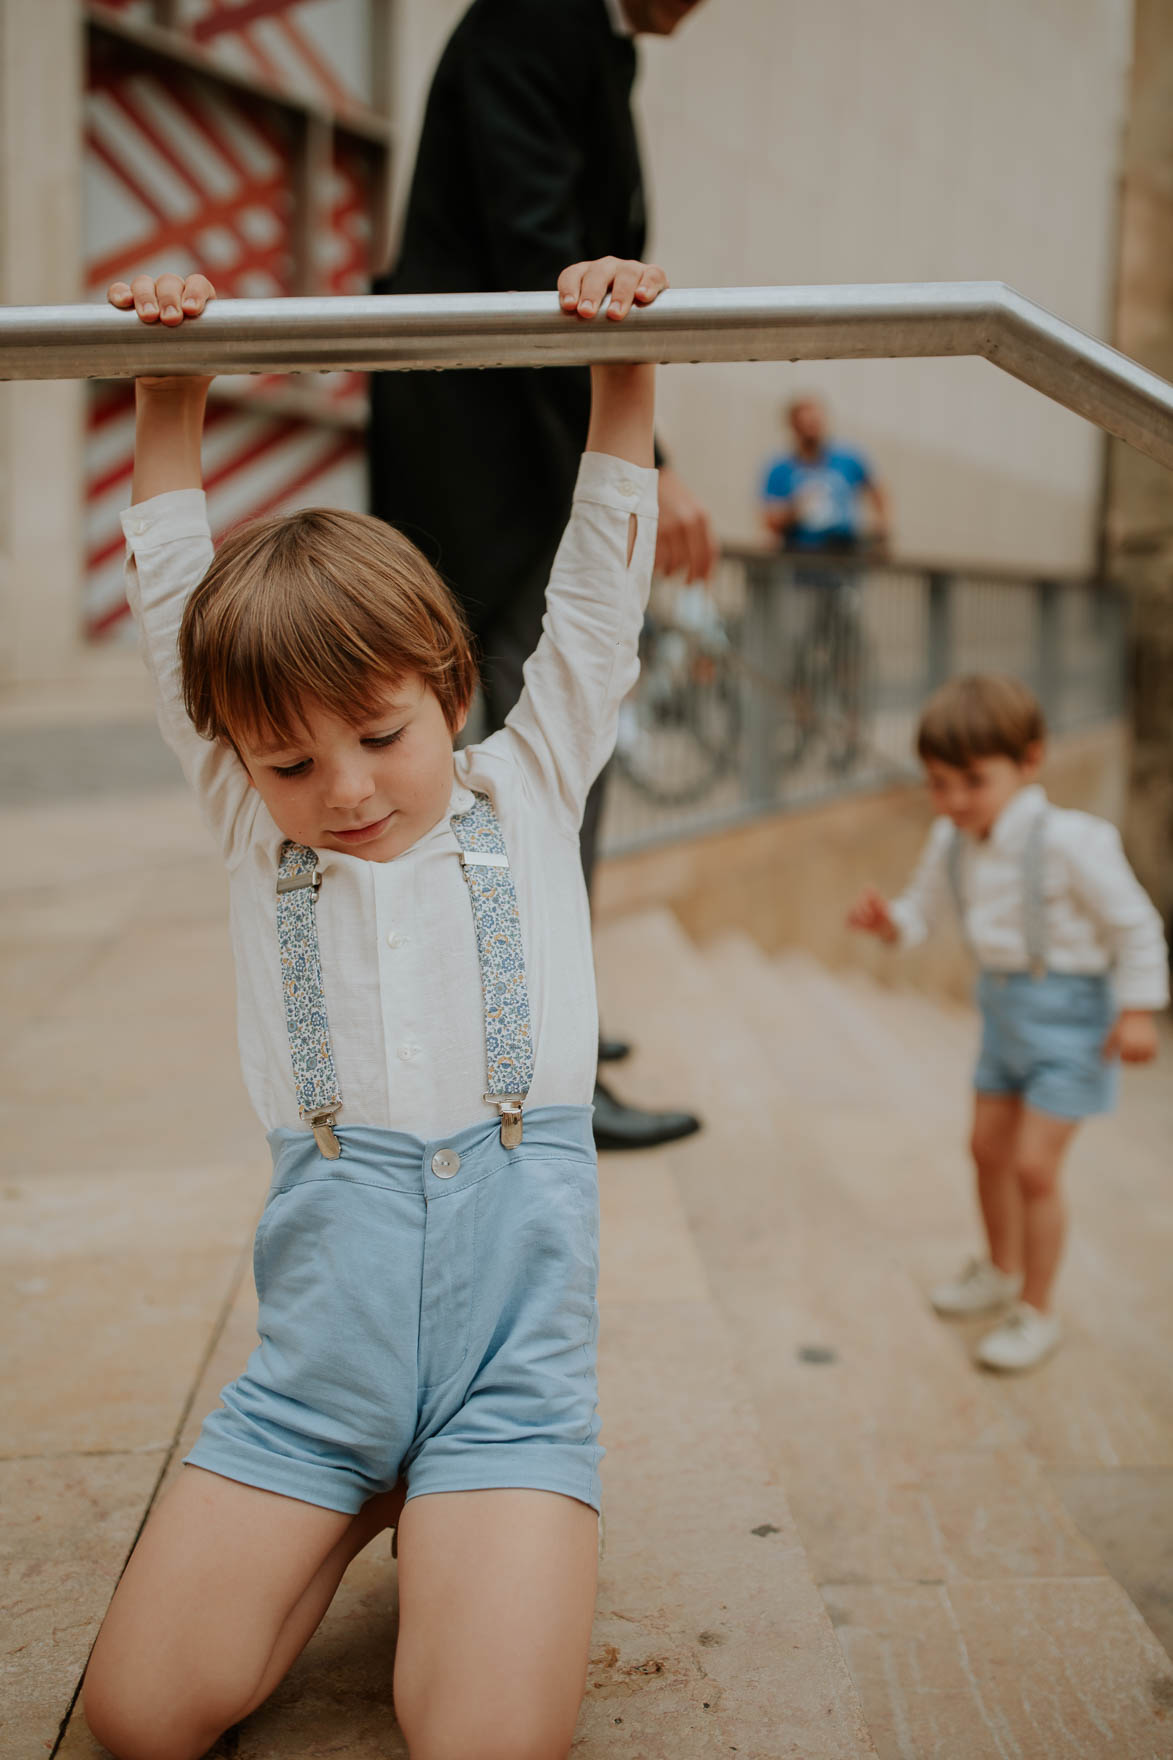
[527, 329]
[1047, 668]
[762, 585]
[939, 647]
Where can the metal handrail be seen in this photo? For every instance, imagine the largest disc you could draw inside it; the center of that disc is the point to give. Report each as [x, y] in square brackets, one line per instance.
[386, 332]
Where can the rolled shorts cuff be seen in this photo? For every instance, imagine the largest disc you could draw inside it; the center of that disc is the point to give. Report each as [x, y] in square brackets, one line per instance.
[1055, 1101]
[309, 1482]
[510, 1466]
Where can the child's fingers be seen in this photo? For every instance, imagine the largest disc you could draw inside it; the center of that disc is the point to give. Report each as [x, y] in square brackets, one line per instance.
[652, 281]
[570, 285]
[197, 293]
[626, 279]
[146, 301]
[118, 294]
[596, 280]
[169, 292]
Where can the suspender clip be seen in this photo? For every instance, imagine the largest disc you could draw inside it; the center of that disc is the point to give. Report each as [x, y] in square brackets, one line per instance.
[296, 882]
[509, 1106]
[321, 1121]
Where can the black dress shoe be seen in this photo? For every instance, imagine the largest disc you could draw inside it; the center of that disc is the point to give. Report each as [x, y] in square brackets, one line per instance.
[628, 1127]
[613, 1050]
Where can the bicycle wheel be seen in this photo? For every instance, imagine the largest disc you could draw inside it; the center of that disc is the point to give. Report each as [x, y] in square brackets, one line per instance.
[680, 728]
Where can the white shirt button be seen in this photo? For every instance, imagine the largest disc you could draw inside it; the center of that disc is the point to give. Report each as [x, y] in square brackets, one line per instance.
[626, 486]
[445, 1162]
[394, 939]
[138, 527]
[407, 1052]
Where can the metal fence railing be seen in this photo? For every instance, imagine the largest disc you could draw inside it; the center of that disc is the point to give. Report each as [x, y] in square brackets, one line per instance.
[800, 678]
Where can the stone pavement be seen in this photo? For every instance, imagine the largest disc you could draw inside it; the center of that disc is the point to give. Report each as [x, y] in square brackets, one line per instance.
[825, 1529]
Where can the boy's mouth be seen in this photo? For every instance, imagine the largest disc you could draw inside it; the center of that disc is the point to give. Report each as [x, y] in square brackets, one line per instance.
[364, 833]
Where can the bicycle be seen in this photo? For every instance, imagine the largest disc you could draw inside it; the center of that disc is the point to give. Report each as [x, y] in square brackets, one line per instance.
[680, 729]
[825, 683]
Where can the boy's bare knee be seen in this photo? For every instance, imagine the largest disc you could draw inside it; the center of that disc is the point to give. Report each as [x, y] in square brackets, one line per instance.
[121, 1726]
[1036, 1178]
[133, 1726]
[520, 1737]
[990, 1155]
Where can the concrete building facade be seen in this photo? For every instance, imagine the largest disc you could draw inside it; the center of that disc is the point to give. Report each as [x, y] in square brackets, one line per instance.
[785, 142]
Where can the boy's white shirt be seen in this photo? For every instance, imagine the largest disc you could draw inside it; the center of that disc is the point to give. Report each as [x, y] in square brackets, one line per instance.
[399, 956]
[1098, 916]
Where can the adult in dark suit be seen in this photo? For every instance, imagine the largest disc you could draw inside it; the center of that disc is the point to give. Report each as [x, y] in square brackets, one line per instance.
[527, 161]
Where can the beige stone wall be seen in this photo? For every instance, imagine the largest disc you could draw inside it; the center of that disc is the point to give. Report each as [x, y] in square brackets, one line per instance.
[40, 424]
[919, 140]
[1140, 502]
[844, 141]
[787, 140]
[789, 880]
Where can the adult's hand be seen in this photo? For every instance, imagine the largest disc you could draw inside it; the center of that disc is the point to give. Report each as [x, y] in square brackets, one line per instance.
[685, 539]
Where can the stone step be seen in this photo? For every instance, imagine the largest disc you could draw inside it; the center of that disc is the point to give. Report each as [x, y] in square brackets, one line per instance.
[933, 1530]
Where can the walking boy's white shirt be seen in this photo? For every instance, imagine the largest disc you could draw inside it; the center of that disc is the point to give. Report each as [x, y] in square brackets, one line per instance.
[1098, 916]
[398, 949]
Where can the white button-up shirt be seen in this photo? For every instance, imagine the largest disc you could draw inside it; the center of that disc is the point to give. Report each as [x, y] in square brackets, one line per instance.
[399, 958]
[1098, 918]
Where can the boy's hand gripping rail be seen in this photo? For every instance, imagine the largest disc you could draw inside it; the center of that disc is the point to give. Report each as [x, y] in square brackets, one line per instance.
[983, 318]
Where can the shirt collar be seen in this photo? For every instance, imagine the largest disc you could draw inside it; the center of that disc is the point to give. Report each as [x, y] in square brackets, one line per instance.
[1016, 815]
[618, 18]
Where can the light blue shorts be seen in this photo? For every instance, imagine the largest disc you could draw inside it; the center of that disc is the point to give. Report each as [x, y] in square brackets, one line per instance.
[1043, 1039]
[437, 1329]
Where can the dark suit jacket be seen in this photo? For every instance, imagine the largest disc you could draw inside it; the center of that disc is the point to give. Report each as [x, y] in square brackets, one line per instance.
[527, 161]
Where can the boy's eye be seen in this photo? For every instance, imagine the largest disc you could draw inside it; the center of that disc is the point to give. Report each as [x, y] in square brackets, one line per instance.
[383, 739]
[298, 769]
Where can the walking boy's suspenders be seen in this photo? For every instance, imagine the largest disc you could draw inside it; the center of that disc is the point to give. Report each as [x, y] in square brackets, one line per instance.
[1034, 915]
[509, 1054]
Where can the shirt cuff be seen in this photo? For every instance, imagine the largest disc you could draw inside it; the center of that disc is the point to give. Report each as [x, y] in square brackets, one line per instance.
[181, 513]
[612, 482]
[910, 930]
[1150, 994]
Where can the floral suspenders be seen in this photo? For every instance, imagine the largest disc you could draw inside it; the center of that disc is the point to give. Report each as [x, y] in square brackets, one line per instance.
[509, 1052]
[1034, 924]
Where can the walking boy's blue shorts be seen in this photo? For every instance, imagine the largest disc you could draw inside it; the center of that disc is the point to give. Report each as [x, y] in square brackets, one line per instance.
[427, 1311]
[1043, 1039]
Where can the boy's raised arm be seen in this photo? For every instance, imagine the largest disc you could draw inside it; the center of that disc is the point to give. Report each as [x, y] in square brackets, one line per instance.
[168, 543]
[562, 730]
[169, 412]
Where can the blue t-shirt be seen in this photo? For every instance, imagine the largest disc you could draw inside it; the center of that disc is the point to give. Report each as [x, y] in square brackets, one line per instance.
[825, 494]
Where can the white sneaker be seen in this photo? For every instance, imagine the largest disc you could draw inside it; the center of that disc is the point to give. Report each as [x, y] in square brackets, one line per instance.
[1024, 1338]
[980, 1286]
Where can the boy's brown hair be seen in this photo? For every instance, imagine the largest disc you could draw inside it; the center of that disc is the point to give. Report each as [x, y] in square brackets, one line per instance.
[320, 606]
[983, 715]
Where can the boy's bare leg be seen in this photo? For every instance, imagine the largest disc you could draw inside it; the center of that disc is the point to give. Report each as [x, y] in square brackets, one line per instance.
[1042, 1144]
[496, 1599]
[994, 1144]
[224, 1589]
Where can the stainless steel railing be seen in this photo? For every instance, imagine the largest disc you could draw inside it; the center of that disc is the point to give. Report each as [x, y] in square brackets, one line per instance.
[983, 318]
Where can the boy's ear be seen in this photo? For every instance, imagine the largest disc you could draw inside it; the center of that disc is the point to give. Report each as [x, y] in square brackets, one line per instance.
[1032, 758]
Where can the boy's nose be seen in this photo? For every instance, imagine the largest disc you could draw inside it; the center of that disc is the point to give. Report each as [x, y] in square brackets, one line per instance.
[350, 785]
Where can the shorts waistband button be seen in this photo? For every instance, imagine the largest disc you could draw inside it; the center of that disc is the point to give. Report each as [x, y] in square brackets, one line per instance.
[445, 1162]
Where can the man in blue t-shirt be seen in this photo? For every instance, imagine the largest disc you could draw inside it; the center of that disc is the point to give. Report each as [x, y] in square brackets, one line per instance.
[812, 496]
